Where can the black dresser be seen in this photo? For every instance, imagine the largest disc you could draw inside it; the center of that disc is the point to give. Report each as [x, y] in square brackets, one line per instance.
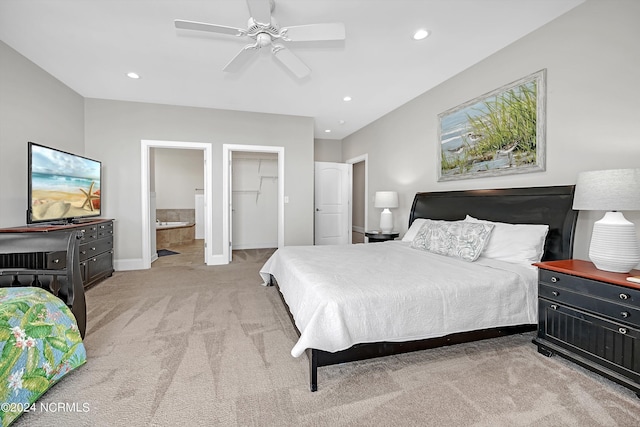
[590, 317]
[95, 249]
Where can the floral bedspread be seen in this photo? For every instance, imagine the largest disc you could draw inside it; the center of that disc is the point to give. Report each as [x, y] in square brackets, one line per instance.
[39, 344]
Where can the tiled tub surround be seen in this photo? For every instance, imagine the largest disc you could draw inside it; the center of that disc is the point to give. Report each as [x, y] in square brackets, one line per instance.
[171, 215]
[170, 236]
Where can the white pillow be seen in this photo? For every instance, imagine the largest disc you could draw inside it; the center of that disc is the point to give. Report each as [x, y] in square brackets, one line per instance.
[460, 239]
[517, 243]
[413, 230]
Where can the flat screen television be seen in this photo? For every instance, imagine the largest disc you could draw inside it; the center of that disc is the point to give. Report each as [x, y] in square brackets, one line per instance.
[63, 187]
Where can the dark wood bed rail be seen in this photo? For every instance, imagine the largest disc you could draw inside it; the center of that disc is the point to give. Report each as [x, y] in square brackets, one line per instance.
[530, 205]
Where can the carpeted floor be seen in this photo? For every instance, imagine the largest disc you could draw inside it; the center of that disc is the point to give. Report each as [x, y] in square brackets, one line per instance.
[187, 344]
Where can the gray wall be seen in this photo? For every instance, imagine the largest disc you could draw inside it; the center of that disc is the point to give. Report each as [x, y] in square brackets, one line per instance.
[34, 106]
[114, 129]
[177, 174]
[327, 150]
[593, 111]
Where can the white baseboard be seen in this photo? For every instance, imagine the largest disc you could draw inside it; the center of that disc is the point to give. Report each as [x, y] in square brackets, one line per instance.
[256, 246]
[357, 229]
[128, 264]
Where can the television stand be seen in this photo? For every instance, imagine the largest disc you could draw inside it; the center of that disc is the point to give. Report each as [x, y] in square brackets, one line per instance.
[96, 245]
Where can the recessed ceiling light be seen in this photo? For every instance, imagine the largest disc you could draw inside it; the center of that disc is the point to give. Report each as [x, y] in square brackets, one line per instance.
[133, 75]
[327, 131]
[341, 122]
[346, 98]
[420, 34]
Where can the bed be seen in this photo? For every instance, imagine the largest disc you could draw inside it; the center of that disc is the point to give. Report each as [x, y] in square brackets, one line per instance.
[355, 302]
[42, 317]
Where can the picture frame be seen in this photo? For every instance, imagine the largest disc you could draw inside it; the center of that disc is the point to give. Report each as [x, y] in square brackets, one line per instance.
[502, 132]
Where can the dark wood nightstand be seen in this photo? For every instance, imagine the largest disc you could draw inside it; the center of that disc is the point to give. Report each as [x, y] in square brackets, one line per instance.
[379, 236]
[590, 317]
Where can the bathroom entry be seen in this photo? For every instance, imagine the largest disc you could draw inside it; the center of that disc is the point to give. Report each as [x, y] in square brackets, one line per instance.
[149, 196]
[178, 177]
[254, 192]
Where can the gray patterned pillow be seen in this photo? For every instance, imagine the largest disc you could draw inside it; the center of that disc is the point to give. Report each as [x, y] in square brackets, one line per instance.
[464, 240]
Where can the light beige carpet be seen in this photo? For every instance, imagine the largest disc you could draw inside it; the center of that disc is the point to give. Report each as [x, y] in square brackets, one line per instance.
[200, 346]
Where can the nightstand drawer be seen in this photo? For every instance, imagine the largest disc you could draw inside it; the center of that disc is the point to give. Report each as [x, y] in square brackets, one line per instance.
[614, 293]
[612, 344]
[615, 310]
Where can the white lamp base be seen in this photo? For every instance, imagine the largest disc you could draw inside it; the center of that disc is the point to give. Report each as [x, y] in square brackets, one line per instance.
[386, 221]
[614, 244]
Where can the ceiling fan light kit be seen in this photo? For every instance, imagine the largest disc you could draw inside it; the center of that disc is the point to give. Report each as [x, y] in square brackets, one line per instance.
[265, 31]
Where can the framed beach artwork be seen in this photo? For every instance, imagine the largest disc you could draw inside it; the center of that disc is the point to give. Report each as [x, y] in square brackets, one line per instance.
[499, 133]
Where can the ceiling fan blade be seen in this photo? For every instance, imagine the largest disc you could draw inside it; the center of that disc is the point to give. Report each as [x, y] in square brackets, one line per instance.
[260, 10]
[241, 59]
[213, 28]
[314, 32]
[292, 62]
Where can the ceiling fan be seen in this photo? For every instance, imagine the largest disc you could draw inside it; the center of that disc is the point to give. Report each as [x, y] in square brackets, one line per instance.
[265, 31]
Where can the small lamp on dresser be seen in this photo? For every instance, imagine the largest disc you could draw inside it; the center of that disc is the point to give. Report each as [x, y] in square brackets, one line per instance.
[614, 241]
[386, 200]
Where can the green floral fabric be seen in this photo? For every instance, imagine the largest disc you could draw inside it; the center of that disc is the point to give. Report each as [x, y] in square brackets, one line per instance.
[39, 344]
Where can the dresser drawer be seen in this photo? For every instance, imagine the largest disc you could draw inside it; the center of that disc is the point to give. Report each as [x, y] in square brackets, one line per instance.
[56, 260]
[90, 232]
[618, 311]
[608, 291]
[105, 229]
[92, 248]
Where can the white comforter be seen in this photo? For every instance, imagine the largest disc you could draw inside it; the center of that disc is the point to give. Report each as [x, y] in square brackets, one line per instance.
[343, 295]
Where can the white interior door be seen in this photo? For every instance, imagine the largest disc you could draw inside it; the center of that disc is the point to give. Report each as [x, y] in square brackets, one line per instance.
[332, 217]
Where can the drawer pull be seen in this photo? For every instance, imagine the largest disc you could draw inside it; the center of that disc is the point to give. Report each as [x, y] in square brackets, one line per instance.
[624, 296]
[554, 307]
[555, 293]
[93, 249]
[83, 252]
[622, 330]
[625, 314]
[554, 279]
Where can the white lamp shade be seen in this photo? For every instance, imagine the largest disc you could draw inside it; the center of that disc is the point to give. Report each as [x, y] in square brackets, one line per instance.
[608, 190]
[614, 242]
[386, 199]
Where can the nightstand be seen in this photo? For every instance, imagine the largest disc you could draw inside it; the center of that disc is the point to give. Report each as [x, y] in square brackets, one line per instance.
[590, 317]
[379, 236]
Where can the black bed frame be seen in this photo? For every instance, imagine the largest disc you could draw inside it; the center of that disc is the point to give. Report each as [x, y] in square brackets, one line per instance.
[49, 261]
[531, 205]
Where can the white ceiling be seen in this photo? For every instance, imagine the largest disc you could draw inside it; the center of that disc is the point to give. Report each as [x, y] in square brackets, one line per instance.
[91, 44]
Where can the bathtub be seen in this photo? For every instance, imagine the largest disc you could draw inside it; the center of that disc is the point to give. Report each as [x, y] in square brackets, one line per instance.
[172, 224]
[173, 233]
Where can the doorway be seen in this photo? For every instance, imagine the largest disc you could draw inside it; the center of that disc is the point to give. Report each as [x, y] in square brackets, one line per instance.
[360, 200]
[227, 187]
[146, 197]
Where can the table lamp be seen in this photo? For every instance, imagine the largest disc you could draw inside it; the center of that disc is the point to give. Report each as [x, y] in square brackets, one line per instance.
[386, 200]
[614, 241]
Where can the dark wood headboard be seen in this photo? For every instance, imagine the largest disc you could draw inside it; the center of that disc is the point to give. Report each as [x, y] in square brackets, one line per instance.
[531, 205]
